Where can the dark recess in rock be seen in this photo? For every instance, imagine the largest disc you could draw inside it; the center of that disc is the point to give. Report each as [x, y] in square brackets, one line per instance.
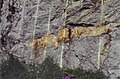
[1, 5]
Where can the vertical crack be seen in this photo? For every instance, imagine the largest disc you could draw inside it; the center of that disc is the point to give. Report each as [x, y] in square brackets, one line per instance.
[1, 5]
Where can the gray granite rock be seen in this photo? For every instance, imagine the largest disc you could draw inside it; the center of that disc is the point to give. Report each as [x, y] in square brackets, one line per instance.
[81, 52]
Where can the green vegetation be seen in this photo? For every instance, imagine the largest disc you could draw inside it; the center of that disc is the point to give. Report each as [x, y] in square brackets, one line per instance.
[118, 77]
[82, 74]
[13, 69]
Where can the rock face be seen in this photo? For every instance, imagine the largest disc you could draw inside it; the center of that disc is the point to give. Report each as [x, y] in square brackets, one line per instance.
[22, 21]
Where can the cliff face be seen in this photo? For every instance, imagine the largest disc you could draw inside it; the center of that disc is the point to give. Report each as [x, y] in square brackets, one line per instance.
[22, 21]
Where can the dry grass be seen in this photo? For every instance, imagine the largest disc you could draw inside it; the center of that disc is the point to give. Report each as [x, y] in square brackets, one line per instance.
[22, 17]
[48, 30]
[60, 38]
[64, 33]
[99, 52]
[35, 21]
[100, 40]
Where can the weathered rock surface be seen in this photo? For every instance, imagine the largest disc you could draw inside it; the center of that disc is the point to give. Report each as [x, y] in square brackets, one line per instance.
[17, 23]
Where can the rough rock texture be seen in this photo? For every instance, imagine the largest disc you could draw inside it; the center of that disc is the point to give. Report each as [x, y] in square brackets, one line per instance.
[17, 22]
